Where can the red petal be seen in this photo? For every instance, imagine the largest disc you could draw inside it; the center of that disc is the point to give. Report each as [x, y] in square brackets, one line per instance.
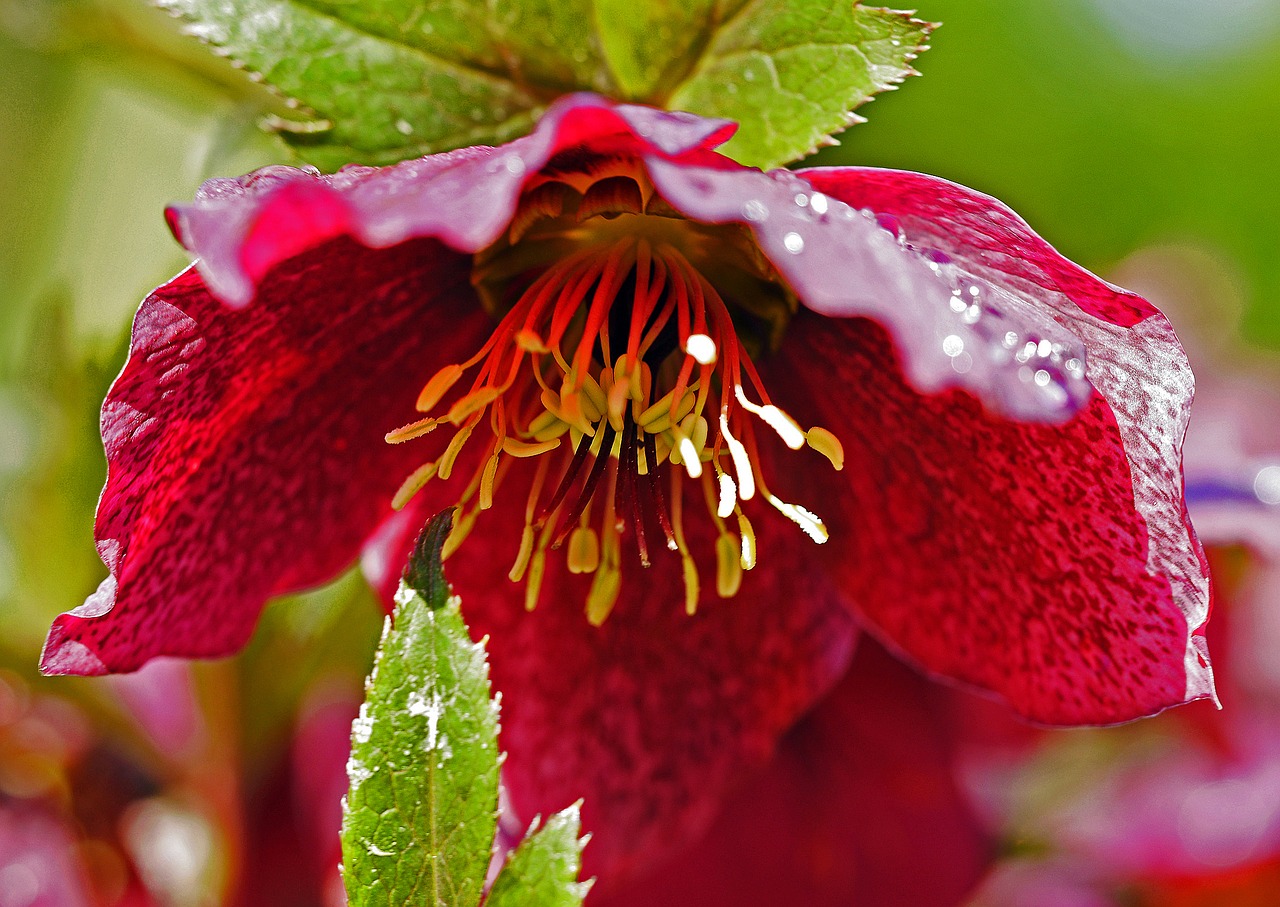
[241, 228]
[858, 807]
[1038, 561]
[245, 448]
[650, 717]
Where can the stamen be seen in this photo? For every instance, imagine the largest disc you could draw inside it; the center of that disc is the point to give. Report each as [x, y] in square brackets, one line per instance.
[619, 344]
[411, 431]
[776, 419]
[412, 485]
[827, 444]
[809, 522]
[728, 495]
[728, 566]
[437, 387]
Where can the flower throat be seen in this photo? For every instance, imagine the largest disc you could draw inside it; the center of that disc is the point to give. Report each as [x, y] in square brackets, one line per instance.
[618, 366]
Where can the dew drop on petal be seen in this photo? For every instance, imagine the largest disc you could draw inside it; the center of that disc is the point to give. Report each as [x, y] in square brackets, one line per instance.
[1266, 485]
[755, 211]
[794, 243]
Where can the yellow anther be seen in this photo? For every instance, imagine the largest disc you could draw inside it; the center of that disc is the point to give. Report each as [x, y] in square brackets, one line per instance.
[437, 387]
[809, 522]
[537, 567]
[411, 431]
[595, 395]
[748, 541]
[486, 482]
[786, 427]
[584, 550]
[698, 430]
[827, 444]
[461, 529]
[728, 495]
[530, 342]
[412, 485]
[517, 448]
[522, 559]
[728, 566]
[603, 594]
[472, 403]
[690, 584]
[684, 454]
[455, 447]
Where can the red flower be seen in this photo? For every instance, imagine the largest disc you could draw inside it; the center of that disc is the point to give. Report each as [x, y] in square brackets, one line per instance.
[1009, 512]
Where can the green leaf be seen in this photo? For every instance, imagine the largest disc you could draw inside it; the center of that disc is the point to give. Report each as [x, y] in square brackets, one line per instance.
[543, 870]
[378, 82]
[421, 812]
[792, 71]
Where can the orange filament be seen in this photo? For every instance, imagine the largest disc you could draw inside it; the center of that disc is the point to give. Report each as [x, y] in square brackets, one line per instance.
[620, 370]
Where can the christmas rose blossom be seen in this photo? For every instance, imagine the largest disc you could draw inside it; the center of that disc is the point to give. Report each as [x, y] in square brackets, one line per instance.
[617, 348]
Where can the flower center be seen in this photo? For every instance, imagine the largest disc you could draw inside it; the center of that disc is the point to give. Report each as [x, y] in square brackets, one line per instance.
[618, 365]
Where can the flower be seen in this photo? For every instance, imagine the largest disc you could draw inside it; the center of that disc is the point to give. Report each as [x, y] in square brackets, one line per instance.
[985, 435]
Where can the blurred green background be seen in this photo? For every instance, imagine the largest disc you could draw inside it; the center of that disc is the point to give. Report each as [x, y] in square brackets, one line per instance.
[1139, 136]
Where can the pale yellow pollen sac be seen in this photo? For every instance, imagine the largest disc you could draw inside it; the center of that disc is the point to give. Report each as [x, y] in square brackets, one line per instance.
[728, 495]
[487, 479]
[741, 461]
[691, 588]
[584, 550]
[806, 520]
[790, 433]
[605, 589]
[748, 536]
[412, 485]
[411, 431]
[517, 448]
[461, 529]
[437, 387]
[702, 348]
[522, 558]
[537, 567]
[827, 444]
[728, 566]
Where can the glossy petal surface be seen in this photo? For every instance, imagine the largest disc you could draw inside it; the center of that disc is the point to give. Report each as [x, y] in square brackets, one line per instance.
[245, 447]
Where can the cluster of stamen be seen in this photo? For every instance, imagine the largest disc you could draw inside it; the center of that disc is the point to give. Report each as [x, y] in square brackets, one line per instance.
[615, 360]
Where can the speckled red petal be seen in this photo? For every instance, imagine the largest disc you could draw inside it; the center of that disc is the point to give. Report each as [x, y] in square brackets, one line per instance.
[1007, 555]
[245, 447]
[859, 806]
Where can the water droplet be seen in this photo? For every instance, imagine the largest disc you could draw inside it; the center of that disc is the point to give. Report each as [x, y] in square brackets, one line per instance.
[972, 314]
[404, 127]
[794, 243]
[953, 345]
[1011, 339]
[957, 304]
[802, 200]
[514, 164]
[1042, 378]
[755, 210]
[818, 202]
[1075, 367]
[1044, 348]
[1266, 485]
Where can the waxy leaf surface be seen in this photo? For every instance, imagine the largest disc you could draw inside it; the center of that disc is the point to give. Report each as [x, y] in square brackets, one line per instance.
[792, 71]
[376, 83]
[421, 812]
[543, 870]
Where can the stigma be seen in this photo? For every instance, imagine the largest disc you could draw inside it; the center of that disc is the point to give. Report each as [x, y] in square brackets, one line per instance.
[618, 367]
